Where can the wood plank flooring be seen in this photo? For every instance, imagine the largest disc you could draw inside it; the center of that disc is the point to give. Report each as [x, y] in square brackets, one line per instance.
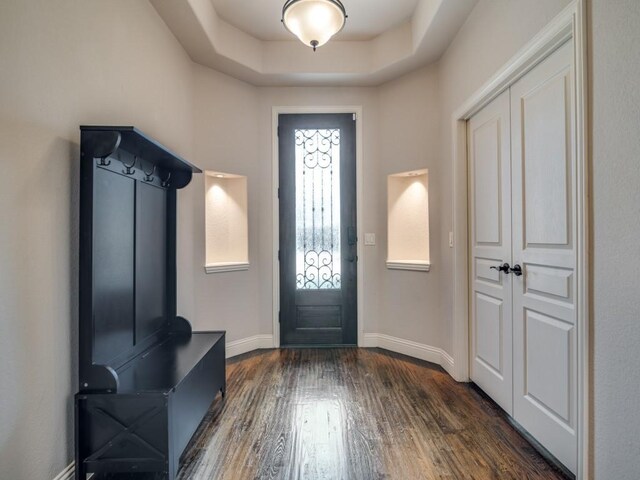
[365, 414]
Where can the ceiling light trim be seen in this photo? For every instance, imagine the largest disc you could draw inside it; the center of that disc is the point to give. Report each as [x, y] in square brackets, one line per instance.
[337, 3]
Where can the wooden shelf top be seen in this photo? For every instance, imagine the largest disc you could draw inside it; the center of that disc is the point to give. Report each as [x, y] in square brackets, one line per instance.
[138, 143]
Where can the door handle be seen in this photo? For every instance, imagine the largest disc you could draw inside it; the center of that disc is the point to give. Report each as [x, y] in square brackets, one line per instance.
[517, 270]
[502, 268]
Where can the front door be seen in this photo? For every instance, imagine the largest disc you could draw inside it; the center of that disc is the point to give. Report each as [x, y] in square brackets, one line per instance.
[318, 239]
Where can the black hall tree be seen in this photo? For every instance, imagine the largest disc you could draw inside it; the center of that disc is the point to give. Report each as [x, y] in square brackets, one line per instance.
[146, 381]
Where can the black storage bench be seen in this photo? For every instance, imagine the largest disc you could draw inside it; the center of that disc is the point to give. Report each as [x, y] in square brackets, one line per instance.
[146, 380]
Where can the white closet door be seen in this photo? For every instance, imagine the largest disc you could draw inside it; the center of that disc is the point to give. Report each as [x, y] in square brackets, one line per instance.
[490, 212]
[544, 233]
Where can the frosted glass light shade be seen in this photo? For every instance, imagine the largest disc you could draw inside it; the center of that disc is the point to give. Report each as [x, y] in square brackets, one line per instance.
[314, 22]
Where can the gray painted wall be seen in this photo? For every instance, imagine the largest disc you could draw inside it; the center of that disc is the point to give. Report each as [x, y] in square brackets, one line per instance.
[615, 65]
[63, 64]
[227, 112]
[225, 140]
[493, 33]
[409, 123]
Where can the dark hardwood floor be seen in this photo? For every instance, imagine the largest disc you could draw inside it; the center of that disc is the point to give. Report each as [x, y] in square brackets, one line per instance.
[354, 414]
[361, 414]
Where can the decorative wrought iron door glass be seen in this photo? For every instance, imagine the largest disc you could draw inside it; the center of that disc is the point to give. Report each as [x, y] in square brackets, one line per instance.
[317, 165]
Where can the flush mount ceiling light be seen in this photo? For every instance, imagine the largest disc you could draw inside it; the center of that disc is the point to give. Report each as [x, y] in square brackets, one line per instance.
[314, 22]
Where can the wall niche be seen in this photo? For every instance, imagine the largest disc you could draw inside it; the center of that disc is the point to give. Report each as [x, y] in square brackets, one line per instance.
[227, 231]
[408, 221]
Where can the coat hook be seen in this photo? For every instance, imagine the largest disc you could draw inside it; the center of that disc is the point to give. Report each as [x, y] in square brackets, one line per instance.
[148, 176]
[103, 162]
[167, 181]
[129, 168]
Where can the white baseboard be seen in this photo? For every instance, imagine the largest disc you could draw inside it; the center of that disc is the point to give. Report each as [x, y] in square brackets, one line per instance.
[411, 349]
[387, 342]
[447, 363]
[245, 345]
[68, 473]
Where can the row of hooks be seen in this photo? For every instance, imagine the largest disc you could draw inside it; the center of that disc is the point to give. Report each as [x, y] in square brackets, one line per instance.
[130, 170]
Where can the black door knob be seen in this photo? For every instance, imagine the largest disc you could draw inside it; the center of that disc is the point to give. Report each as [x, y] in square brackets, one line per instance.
[516, 270]
[502, 268]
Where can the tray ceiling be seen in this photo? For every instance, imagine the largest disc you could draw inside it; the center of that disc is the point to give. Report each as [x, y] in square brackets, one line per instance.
[383, 39]
[367, 18]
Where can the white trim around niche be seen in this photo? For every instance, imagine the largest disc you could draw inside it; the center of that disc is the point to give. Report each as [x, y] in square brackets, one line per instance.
[275, 161]
[569, 24]
[414, 265]
[226, 267]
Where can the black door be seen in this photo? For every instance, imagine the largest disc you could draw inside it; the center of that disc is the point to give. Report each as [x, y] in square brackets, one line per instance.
[318, 251]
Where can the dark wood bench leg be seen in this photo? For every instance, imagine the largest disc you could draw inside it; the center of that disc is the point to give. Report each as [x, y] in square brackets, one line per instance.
[80, 470]
[81, 473]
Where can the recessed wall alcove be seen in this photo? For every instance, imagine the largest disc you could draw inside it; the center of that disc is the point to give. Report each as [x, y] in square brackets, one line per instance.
[227, 239]
[408, 221]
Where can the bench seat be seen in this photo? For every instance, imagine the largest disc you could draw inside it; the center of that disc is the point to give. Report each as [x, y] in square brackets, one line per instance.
[162, 397]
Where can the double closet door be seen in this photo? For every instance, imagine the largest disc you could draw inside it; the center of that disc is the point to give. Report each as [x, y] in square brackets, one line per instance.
[522, 167]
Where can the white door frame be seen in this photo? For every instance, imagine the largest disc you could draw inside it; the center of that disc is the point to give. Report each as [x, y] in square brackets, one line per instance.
[275, 170]
[569, 24]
